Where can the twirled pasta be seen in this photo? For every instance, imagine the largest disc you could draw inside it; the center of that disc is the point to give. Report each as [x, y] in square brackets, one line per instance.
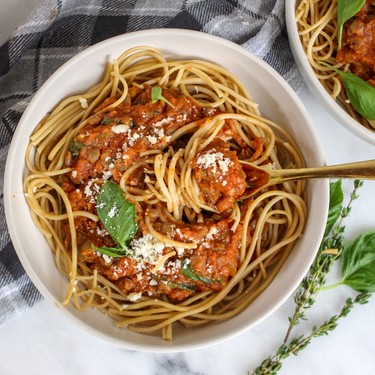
[164, 166]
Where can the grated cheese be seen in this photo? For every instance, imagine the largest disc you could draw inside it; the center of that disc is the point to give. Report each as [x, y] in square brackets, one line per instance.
[152, 139]
[213, 160]
[118, 129]
[92, 190]
[148, 248]
[133, 297]
[113, 212]
[211, 233]
[162, 122]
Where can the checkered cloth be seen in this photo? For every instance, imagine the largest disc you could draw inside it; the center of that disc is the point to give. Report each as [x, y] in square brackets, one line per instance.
[59, 29]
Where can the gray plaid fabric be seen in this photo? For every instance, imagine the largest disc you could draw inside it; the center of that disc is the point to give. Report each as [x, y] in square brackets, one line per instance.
[59, 29]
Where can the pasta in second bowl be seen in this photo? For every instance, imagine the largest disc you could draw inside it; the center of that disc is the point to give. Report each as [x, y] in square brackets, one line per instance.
[136, 184]
[313, 36]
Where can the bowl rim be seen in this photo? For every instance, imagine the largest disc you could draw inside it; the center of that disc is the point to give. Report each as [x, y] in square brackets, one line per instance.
[313, 83]
[105, 44]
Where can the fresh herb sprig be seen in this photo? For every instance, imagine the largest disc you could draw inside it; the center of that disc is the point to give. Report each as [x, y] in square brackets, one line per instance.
[118, 217]
[327, 254]
[273, 364]
[358, 271]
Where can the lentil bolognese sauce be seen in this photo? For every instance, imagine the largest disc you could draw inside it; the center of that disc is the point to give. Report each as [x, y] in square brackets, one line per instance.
[138, 187]
[358, 43]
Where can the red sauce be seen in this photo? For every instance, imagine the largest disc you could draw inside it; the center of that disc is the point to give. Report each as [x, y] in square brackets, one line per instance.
[358, 43]
[110, 143]
[219, 175]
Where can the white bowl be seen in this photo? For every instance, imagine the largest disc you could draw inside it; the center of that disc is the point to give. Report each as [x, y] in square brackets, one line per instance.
[313, 83]
[277, 101]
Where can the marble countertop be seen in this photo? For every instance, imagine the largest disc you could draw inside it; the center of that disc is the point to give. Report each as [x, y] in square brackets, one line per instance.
[40, 341]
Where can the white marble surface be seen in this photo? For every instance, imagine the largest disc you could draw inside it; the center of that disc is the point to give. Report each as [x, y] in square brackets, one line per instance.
[40, 341]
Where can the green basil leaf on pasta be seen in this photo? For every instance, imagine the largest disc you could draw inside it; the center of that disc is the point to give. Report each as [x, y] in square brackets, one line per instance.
[156, 94]
[191, 274]
[336, 198]
[114, 252]
[360, 93]
[358, 263]
[346, 9]
[116, 213]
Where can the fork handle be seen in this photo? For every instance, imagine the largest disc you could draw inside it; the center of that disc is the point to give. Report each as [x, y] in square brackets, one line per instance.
[358, 170]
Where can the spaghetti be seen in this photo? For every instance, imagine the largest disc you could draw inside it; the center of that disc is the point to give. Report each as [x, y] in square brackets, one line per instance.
[197, 251]
[318, 30]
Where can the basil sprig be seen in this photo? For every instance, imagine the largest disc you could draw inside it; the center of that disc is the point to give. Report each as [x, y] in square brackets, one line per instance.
[358, 263]
[156, 94]
[118, 217]
[346, 9]
[360, 93]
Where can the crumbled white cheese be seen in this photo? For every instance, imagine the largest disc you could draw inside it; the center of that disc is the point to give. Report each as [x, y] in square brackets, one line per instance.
[148, 248]
[118, 129]
[84, 103]
[164, 121]
[107, 175]
[211, 233]
[133, 297]
[113, 211]
[74, 174]
[180, 250]
[107, 258]
[152, 139]
[92, 190]
[101, 232]
[214, 159]
[153, 282]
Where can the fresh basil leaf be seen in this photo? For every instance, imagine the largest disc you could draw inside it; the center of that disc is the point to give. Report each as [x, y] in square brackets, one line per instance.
[360, 93]
[336, 198]
[346, 9]
[156, 94]
[116, 213]
[114, 252]
[191, 274]
[358, 263]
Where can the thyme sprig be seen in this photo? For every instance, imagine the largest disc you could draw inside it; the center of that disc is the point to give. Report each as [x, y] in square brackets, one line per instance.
[311, 285]
[272, 364]
[330, 250]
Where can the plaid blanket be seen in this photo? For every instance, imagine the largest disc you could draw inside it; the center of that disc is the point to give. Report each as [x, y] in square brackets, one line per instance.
[59, 29]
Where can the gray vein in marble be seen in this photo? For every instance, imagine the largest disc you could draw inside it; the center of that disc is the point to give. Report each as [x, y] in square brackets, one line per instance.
[175, 364]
